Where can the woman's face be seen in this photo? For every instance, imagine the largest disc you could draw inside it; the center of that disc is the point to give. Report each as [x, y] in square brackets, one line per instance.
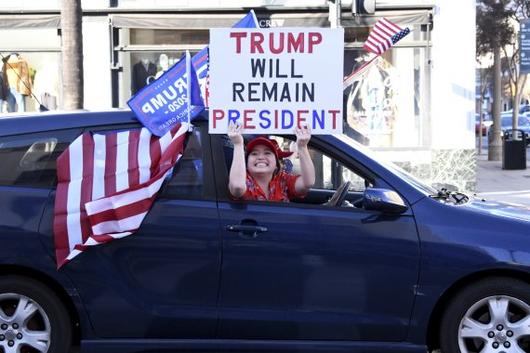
[261, 160]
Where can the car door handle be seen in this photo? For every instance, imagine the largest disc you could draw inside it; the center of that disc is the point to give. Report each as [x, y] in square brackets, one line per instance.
[245, 230]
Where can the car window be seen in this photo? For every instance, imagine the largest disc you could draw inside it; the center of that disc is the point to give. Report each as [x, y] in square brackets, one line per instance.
[187, 179]
[329, 173]
[30, 159]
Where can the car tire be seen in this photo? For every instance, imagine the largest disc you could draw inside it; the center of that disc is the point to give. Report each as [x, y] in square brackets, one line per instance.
[489, 312]
[32, 317]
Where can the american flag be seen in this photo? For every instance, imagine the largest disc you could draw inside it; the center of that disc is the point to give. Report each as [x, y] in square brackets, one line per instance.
[107, 184]
[384, 34]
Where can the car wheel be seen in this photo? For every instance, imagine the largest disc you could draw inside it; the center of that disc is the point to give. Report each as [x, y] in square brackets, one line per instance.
[32, 318]
[489, 316]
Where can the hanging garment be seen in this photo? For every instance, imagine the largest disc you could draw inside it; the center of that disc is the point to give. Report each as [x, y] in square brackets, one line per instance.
[141, 74]
[17, 73]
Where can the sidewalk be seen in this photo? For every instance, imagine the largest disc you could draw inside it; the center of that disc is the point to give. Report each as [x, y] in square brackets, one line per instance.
[495, 183]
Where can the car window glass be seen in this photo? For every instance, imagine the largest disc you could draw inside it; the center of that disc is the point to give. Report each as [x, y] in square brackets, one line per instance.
[187, 179]
[329, 172]
[30, 160]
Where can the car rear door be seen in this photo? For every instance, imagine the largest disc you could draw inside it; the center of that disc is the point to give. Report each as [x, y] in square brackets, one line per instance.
[27, 176]
[315, 272]
[162, 281]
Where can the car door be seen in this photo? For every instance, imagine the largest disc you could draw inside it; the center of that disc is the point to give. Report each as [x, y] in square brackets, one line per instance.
[301, 270]
[162, 281]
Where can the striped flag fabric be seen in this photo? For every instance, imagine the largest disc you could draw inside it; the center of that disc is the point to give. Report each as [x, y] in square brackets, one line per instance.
[107, 182]
[384, 35]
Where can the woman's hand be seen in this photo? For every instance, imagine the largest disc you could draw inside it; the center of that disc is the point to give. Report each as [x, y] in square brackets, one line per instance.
[307, 169]
[234, 133]
[303, 135]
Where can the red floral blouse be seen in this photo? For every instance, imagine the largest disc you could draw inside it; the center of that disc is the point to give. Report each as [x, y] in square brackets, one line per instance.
[281, 188]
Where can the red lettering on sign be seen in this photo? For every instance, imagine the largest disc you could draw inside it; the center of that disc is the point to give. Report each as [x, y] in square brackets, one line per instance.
[334, 113]
[256, 39]
[279, 45]
[238, 36]
[315, 38]
[295, 45]
[218, 114]
[301, 119]
[247, 119]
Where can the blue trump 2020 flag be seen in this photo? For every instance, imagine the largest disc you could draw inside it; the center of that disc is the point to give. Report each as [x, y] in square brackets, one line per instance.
[165, 101]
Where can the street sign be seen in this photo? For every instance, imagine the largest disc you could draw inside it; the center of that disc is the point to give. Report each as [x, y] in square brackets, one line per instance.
[524, 41]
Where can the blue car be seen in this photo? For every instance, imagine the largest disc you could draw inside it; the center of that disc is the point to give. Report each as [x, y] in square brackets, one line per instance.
[523, 124]
[372, 260]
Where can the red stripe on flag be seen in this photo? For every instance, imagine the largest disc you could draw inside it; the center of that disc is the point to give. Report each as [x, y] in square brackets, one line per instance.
[126, 211]
[60, 228]
[86, 184]
[102, 239]
[384, 29]
[155, 151]
[391, 25]
[110, 163]
[134, 173]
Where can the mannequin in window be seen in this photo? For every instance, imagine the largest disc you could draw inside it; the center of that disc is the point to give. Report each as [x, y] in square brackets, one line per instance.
[143, 73]
[163, 63]
[16, 73]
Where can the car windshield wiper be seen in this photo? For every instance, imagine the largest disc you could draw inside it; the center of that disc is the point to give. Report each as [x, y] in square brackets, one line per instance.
[451, 196]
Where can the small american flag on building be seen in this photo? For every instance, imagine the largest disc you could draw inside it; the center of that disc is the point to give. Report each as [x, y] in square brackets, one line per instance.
[107, 182]
[384, 34]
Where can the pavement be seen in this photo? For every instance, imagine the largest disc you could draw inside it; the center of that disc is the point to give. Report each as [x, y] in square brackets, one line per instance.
[495, 183]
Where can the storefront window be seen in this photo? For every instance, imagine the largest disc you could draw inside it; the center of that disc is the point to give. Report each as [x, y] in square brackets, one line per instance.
[150, 52]
[168, 36]
[30, 69]
[387, 106]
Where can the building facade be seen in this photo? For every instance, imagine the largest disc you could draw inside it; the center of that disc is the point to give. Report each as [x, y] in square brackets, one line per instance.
[415, 105]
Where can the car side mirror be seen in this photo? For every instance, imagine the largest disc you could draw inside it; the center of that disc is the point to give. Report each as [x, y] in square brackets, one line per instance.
[384, 200]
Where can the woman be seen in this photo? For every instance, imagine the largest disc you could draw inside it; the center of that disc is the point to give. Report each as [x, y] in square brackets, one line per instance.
[260, 176]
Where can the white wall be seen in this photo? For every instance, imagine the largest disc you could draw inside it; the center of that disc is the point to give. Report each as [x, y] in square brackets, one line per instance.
[453, 75]
[96, 62]
[29, 5]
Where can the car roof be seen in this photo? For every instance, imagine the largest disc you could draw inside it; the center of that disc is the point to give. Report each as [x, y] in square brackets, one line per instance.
[13, 124]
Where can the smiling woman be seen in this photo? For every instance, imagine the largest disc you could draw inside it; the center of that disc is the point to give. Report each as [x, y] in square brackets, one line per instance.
[263, 178]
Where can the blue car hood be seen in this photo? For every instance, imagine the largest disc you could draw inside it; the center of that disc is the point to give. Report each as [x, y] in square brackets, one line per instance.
[500, 209]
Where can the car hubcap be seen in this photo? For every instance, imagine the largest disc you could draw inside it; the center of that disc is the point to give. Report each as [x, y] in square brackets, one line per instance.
[496, 324]
[24, 325]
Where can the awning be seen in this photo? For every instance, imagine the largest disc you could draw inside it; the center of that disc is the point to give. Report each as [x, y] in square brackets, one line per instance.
[164, 21]
[399, 17]
[29, 21]
[298, 19]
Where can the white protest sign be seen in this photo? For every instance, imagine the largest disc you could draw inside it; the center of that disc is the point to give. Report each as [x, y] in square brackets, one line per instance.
[273, 80]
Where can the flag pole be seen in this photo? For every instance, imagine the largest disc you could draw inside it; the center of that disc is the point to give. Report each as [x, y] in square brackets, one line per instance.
[188, 83]
[358, 72]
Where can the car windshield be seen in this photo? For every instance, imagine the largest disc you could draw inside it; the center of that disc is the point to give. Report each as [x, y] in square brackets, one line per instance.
[412, 180]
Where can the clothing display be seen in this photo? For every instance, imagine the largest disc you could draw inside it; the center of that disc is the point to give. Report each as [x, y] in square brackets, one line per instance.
[143, 72]
[17, 79]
